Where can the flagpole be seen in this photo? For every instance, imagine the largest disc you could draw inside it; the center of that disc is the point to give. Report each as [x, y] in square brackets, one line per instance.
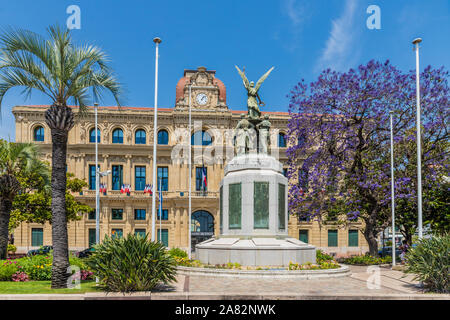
[160, 210]
[190, 174]
[157, 41]
[418, 141]
[97, 182]
[392, 189]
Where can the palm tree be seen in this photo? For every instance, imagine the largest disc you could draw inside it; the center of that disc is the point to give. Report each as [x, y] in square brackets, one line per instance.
[63, 72]
[16, 159]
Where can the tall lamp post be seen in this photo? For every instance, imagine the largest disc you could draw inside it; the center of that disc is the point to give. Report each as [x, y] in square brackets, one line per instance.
[419, 152]
[157, 41]
[392, 189]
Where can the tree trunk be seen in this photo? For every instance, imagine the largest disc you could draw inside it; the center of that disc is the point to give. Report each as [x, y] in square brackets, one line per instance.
[60, 121]
[5, 211]
[371, 241]
[9, 186]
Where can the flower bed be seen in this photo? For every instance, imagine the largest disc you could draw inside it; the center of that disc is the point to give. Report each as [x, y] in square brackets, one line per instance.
[365, 260]
[323, 261]
[37, 268]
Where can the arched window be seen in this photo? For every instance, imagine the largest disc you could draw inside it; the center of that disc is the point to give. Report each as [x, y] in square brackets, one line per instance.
[39, 133]
[201, 138]
[117, 136]
[92, 135]
[202, 221]
[163, 137]
[140, 137]
[281, 140]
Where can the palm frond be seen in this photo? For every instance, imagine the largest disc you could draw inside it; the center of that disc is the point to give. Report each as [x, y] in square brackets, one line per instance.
[55, 66]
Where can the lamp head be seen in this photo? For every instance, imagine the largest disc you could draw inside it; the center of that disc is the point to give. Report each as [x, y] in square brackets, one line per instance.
[156, 40]
[417, 40]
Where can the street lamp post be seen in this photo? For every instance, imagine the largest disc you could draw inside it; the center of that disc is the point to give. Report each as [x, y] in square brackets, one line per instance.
[157, 41]
[419, 152]
[392, 190]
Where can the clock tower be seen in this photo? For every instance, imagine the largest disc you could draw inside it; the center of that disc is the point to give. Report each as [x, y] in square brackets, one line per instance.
[207, 92]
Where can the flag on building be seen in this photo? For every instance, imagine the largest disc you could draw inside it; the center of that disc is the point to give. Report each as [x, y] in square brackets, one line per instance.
[122, 189]
[148, 189]
[204, 177]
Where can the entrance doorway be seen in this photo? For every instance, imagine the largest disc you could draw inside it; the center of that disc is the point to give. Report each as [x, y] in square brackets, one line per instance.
[202, 227]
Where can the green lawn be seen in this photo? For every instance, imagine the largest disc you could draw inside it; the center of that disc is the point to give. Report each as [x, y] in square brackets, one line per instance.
[29, 287]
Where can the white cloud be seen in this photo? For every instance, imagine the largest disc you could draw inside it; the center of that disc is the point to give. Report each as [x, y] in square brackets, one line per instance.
[340, 51]
[294, 11]
[297, 14]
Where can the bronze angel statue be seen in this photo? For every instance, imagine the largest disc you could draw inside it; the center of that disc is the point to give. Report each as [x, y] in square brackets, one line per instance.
[252, 93]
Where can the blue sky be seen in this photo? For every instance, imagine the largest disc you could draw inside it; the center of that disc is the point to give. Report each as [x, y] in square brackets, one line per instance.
[298, 37]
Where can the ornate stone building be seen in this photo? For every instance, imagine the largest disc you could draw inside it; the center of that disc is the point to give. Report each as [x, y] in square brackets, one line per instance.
[126, 148]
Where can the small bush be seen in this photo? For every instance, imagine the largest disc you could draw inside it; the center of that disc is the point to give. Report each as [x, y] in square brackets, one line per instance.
[131, 263]
[7, 269]
[177, 252]
[12, 248]
[322, 256]
[20, 276]
[430, 262]
[366, 260]
[38, 267]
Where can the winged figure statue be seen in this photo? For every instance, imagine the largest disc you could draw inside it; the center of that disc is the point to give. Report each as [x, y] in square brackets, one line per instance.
[253, 100]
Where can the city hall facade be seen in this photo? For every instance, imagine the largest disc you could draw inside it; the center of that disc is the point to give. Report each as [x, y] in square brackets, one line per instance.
[126, 147]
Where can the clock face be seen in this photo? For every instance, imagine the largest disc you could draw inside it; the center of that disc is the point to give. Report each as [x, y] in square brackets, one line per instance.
[202, 99]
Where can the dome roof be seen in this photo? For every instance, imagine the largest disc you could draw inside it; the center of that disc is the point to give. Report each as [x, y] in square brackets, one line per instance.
[222, 90]
[179, 90]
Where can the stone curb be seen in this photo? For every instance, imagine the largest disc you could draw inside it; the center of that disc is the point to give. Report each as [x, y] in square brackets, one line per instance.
[343, 271]
[218, 296]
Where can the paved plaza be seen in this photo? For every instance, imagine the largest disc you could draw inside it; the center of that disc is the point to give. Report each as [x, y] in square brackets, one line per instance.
[393, 285]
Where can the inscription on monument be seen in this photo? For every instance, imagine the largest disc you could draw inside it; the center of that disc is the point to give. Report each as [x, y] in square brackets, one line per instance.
[261, 205]
[235, 205]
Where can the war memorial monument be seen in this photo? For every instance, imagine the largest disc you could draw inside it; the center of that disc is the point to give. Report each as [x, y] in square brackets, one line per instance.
[253, 200]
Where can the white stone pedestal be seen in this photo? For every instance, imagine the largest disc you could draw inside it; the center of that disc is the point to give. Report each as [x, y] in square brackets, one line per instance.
[254, 217]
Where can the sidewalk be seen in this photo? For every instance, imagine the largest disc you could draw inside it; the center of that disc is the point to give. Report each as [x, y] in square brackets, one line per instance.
[392, 286]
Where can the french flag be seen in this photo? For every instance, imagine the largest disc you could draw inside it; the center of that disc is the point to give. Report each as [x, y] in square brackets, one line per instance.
[148, 189]
[204, 177]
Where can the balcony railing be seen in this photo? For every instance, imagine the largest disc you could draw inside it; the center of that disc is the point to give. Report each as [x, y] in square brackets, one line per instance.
[141, 194]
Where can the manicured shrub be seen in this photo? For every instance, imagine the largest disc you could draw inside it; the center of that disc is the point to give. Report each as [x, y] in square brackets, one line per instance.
[20, 276]
[7, 269]
[366, 260]
[322, 256]
[38, 267]
[12, 248]
[429, 261]
[131, 263]
[185, 262]
[177, 252]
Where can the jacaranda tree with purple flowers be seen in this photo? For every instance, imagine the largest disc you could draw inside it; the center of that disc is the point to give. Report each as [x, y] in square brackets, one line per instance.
[340, 143]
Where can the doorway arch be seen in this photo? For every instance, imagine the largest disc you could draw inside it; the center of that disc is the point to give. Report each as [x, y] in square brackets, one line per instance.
[202, 227]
